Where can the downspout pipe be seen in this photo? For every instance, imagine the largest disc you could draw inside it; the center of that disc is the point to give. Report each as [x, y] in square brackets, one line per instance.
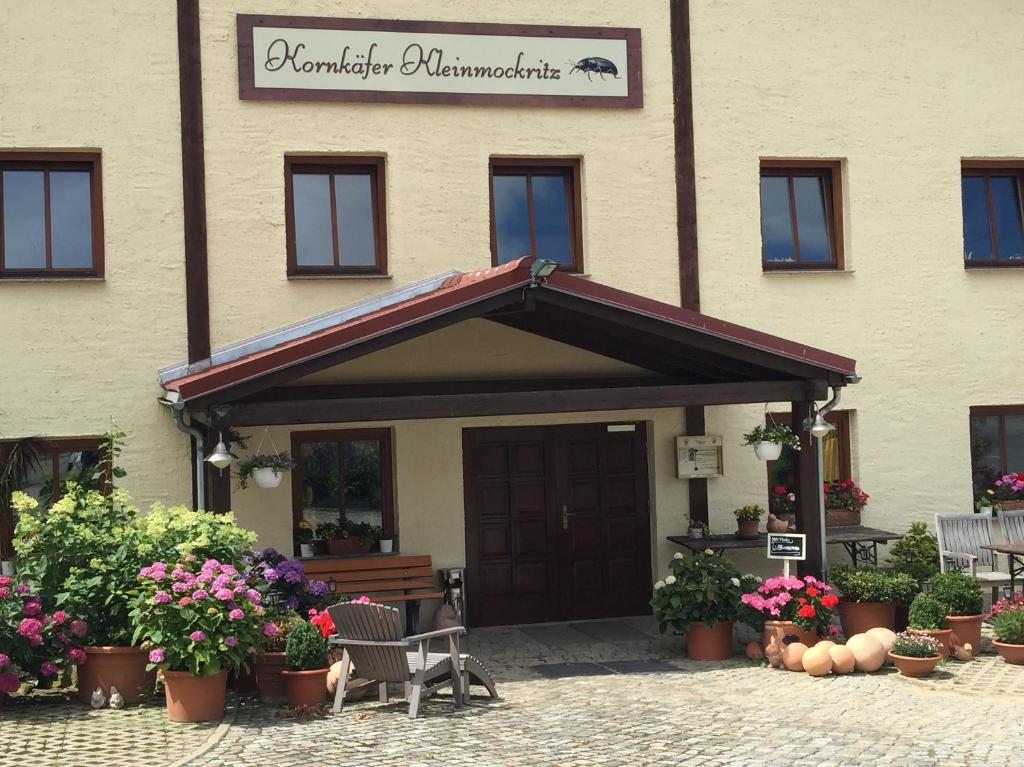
[178, 412]
[823, 410]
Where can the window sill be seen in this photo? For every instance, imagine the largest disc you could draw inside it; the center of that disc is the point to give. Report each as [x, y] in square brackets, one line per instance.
[340, 277]
[776, 272]
[993, 267]
[51, 279]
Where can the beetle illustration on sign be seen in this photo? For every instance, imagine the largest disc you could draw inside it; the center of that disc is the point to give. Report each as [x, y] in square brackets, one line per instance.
[597, 64]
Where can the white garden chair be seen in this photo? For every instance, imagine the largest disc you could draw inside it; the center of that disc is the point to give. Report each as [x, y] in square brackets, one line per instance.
[960, 538]
[1013, 525]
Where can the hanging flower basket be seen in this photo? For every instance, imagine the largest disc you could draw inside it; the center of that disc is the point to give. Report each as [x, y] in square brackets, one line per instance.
[267, 476]
[768, 441]
[768, 451]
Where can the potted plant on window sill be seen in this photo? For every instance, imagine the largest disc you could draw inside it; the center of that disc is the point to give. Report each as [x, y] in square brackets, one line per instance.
[305, 679]
[1008, 491]
[915, 655]
[768, 441]
[869, 597]
[1008, 629]
[962, 596]
[266, 469]
[844, 502]
[700, 597]
[928, 616]
[747, 520]
[346, 537]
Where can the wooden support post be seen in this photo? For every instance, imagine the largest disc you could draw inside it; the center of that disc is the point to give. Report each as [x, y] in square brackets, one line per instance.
[808, 515]
[698, 487]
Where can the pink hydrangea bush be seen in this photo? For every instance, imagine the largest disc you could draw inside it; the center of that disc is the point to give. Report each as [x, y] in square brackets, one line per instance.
[197, 618]
[33, 641]
[807, 602]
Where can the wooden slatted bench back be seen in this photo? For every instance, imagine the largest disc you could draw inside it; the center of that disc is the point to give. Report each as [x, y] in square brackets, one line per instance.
[394, 578]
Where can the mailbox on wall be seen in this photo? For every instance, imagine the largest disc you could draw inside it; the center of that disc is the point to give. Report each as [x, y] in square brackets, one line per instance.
[699, 456]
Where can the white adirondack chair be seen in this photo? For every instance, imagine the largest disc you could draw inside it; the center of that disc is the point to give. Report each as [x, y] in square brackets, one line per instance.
[960, 538]
[1013, 525]
[371, 635]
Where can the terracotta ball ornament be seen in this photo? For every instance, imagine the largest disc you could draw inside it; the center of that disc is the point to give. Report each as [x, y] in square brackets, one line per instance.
[843, 661]
[886, 636]
[868, 652]
[793, 655]
[817, 661]
[754, 651]
[826, 643]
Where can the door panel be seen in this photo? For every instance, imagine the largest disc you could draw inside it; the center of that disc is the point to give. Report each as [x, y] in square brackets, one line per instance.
[557, 523]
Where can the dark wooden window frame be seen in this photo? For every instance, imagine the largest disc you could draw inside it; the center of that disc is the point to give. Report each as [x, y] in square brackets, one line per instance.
[1001, 411]
[830, 171]
[842, 421]
[57, 161]
[336, 166]
[54, 447]
[387, 468]
[532, 166]
[986, 169]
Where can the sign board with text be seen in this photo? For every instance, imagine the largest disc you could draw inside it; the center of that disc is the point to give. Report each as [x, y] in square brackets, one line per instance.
[787, 546]
[427, 62]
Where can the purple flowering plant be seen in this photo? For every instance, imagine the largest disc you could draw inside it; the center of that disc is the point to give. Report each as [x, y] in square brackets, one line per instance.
[214, 621]
[283, 582]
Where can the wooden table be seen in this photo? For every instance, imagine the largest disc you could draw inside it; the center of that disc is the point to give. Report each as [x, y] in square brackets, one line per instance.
[1014, 555]
[860, 542]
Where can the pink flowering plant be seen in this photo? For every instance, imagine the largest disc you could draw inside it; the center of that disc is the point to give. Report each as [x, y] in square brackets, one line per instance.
[807, 602]
[198, 618]
[1009, 487]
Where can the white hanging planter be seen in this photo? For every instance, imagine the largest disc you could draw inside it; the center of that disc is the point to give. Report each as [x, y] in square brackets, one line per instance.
[267, 477]
[768, 451]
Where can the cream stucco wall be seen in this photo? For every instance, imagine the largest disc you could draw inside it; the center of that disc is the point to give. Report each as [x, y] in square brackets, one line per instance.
[900, 93]
[100, 76]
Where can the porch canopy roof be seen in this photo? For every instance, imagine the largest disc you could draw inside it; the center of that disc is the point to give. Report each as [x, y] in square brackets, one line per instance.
[684, 358]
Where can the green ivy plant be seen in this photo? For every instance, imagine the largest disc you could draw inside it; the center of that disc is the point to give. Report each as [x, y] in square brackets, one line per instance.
[927, 613]
[701, 587]
[959, 592]
[306, 648]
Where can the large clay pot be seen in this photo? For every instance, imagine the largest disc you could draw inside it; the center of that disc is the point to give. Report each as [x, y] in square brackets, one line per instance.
[193, 698]
[915, 667]
[269, 666]
[715, 643]
[747, 528]
[858, 617]
[941, 637]
[1012, 653]
[122, 667]
[781, 629]
[967, 629]
[306, 688]
[341, 546]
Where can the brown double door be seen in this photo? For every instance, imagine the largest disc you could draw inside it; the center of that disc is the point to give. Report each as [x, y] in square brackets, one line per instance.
[557, 523]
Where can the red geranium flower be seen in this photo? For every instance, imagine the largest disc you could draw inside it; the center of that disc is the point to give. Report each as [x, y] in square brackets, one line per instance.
[779, 490]
[830, 601]
[803, 601]
[807, 611]
[812, 592]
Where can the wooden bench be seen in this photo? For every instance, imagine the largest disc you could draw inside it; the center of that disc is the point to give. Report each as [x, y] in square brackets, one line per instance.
[384, 577]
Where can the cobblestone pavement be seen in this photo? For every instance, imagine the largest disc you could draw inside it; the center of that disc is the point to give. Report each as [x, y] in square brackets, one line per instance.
[612, 713]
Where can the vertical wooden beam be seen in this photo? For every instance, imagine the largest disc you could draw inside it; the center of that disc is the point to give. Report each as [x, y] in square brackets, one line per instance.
[697, 488]
[193, 177]
[808, 513]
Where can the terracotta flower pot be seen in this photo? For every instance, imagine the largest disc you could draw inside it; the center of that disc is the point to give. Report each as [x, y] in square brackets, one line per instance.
[747, 528]
[858, 617]
[782, 629]
[841, 518]
[915, 667]
[967, 629]
[193, 698]
[269, 666]
[941, 636]
[1012, 653]
[306, 688]
[341, 546]
[715, 643]
[122, 667]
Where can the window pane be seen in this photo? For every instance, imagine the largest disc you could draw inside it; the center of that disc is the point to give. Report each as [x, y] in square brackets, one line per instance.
[311, 203]
[776, 222]
[353, 195]
[811, 220]
[363, 482]
[70, 219]
[985, 454]
[24, 220]
[551, 217]
[1015, 442]
[81, 466]
[321, 489]
[511, 217]
[977, 241]
[1006, 207]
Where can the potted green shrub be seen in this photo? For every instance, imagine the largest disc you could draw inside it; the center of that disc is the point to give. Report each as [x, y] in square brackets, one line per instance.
[272, 659]
[928, 617]
[747, 520]
[305, 680]
[917, 555]
[963, 598]
[700, 597]
[869, 597]
[915, 655]
[1008, 629]
[266, 469]
[769, 440]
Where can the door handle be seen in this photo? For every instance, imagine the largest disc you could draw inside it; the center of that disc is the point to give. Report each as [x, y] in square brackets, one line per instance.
[565, 516]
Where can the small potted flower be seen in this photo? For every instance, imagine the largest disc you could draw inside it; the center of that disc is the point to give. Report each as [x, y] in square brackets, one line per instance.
[1009, 491]
[869, 597]
[266, 469]
[915, 655]
[985, 506]
[304, 534]
[1008, 629]
[844, 502]
[696, 528]
[768, 441]
[305, 679]
[700, 597]
[792, 608]
[747, 520]
[928, 617]
[962, 596]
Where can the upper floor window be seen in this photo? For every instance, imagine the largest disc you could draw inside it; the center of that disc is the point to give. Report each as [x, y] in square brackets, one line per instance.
[801, 215]
[993, 216]
[997, 443]
[335, 215]
[535, 211]
[51, 223]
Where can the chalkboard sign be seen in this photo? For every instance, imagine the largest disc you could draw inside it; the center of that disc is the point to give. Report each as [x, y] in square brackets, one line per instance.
[787, 546]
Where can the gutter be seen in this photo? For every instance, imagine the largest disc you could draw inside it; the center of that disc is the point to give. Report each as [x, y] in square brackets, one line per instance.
[177, 409]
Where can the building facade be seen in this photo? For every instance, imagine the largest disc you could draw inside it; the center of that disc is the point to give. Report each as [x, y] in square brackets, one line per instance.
[328, 270]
